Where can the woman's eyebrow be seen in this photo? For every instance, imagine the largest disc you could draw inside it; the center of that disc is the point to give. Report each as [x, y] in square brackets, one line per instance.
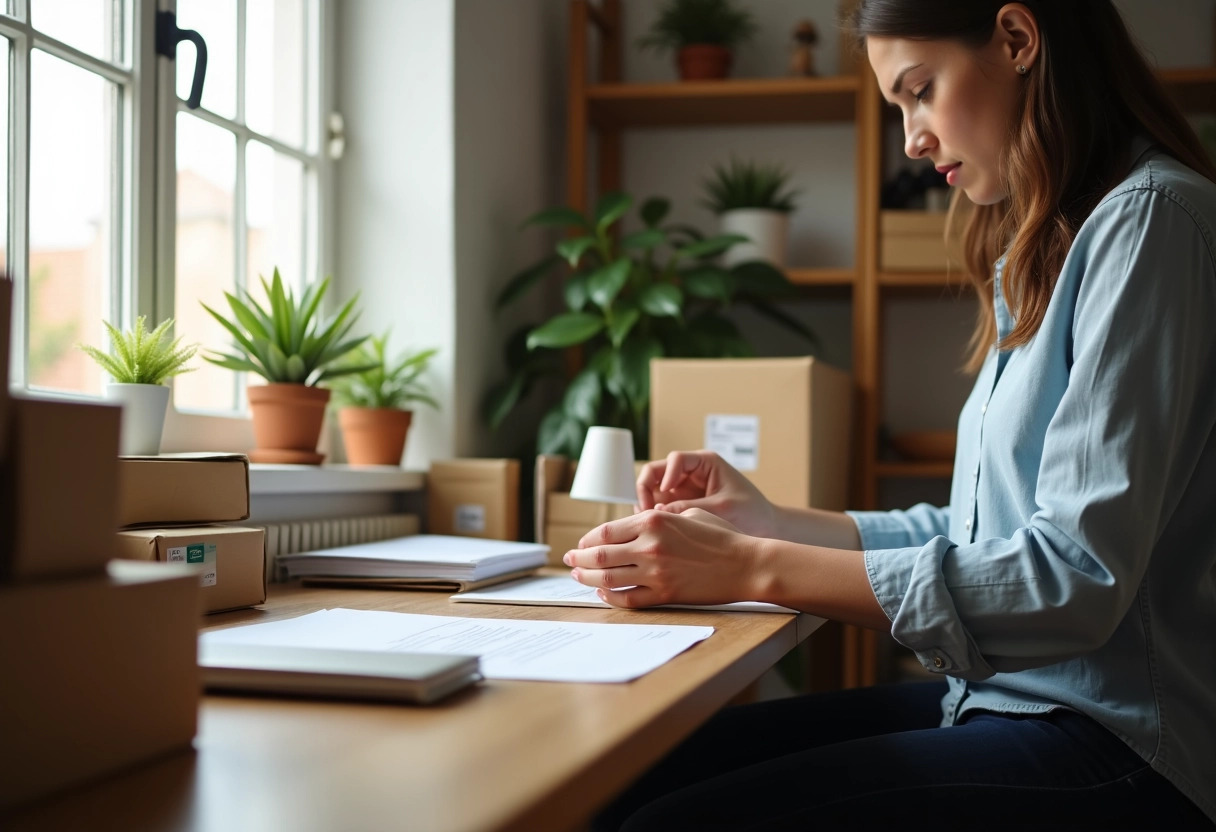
[899, 79]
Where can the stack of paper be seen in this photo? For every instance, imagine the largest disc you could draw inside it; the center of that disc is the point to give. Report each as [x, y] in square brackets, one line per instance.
[421, 560]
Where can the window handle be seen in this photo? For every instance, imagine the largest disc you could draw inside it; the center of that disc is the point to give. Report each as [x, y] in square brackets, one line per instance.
[168, 36]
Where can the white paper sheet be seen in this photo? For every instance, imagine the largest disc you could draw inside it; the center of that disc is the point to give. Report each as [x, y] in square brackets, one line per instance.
[547, 651]
[563, 591]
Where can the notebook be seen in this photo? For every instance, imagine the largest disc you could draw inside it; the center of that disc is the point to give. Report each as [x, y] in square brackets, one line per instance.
[420, 678]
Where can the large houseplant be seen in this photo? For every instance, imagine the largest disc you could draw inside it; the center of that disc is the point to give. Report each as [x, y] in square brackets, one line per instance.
[652, 293]
[290, 345]
[374, 403]
[702, 33]
[752, 199]
[140, 362]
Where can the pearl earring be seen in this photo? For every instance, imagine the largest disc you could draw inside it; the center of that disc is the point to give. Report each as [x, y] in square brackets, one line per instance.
[1023, 69]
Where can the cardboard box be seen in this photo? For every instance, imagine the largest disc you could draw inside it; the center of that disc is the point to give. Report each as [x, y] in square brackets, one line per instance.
[913, 241]
[561, 520]
[783, 422]
[183, 489]
[100, 674]
[59, 491]
[474, 498]
[231, 560]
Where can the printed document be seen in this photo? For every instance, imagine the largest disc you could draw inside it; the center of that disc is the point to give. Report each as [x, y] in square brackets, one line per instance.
[564, 591]
[546, 651]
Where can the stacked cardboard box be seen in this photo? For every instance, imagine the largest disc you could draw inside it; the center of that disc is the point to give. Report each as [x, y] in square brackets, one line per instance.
[169, 505]
[99, 665]
[561, 520]
[474, 498]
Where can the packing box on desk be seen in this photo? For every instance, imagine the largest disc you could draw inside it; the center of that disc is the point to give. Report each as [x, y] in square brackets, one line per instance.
[474, 498]
[783, 422]
[100, 674]
[562, 520]
[183, 489]
[231, 559]
[58, 492]
[913, 241]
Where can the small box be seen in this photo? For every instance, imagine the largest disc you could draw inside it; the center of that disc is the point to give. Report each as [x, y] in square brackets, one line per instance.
[561, 520]
[474, 498]
[231, 560]
[913, 241]
[783, 422]
[183, 489]
[100, 674]
[58, 493]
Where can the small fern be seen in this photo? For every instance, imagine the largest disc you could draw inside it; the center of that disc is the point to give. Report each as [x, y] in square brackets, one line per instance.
[142, 357]
[748, 185]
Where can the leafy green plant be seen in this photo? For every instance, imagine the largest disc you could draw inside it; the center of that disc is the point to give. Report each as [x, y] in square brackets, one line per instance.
[686, 22]
[742, 184]
[141, 357]
[385, 384]
[652, 293]
[287, 343]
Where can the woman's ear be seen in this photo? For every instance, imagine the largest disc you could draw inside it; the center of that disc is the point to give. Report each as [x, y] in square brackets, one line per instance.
[1018, 32]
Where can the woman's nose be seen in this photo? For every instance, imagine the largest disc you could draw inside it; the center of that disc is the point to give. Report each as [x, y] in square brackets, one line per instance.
[917, 141]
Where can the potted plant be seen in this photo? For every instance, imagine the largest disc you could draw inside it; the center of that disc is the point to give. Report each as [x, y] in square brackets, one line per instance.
[702, 33]
[752, 199]
[629, 298]
[140, 362]
[291, 346]
[374, 403]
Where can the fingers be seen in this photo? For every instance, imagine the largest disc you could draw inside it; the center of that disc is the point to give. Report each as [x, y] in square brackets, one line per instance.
[601, 557]
[648, 482]
[615, 578]
[630, 599]
[680, 464]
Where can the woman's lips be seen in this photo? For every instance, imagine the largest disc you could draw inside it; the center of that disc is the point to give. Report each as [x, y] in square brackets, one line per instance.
[951, 172]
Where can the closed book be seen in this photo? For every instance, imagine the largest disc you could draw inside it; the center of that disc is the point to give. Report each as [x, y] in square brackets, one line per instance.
[183, 489]
[426, 556]
[419, 678]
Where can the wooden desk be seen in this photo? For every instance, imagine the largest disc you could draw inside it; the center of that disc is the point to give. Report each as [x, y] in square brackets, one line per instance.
[503, 755]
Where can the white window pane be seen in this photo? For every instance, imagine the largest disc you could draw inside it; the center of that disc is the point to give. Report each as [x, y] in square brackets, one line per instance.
[206, 177]
[72, 182]
[275, 215]
[215, 20]
[92, 26]
[275, 68]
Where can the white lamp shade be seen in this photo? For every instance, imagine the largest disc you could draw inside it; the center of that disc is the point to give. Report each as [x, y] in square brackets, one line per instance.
[605, 468]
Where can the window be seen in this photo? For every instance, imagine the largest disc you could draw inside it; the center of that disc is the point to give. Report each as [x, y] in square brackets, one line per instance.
[238, 181]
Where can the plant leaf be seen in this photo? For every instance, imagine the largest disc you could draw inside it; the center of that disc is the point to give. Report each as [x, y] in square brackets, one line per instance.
[575, 292]
[708, 282]
[761, 278]
[606, 282]
[560, 433]
[621, 324]
[609, 208]
[636, 354]
[654, 210]
[573, 249]
[662, 300]
[565, 330]
[650, 238]
[559, 217]
[711, 246]
[582, 399]
[503, 398]
[524, 280]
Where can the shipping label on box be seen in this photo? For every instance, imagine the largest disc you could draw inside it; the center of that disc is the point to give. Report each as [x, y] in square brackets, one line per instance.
[474, 498]
[735, 438]
[183, 489]
[230, 560]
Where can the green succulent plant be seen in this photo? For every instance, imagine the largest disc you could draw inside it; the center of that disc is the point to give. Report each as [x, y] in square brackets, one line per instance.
[141, 357]
[288, 343]
[385, 384]
[741, 184]
[629, 298]
[686, 22]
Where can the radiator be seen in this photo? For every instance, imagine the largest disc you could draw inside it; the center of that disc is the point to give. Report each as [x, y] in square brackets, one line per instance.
[291, 536]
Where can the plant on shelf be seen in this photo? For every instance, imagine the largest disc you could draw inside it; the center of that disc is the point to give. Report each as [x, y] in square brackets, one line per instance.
[374, 403]
[752, 199]
[702, 33]
[289, 344]
[140, 362]
[653, 293]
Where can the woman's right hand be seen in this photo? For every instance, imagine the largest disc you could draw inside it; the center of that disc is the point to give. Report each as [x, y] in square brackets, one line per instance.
[702, 479]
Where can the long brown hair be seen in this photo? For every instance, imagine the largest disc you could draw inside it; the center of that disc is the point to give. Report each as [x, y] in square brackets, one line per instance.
[1089, 92]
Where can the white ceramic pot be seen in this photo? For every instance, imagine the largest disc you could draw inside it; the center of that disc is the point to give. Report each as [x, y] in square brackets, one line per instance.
[768, 231]
[143, 415]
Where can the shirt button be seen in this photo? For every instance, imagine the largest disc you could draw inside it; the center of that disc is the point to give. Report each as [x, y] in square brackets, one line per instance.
[938, 663]
[984, 407]
[967, 525]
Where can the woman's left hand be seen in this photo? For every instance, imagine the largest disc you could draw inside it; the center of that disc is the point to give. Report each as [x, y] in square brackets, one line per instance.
[688, 558]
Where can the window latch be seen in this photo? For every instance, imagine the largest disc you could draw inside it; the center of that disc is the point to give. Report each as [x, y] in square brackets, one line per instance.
[168, 36]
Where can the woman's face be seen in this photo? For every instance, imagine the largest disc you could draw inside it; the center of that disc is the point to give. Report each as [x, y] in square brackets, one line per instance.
[958, 104]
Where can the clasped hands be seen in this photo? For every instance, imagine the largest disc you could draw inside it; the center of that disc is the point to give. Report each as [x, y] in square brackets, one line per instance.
[695, 539]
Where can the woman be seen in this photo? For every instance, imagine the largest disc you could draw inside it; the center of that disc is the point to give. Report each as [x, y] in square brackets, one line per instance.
[1068, 593]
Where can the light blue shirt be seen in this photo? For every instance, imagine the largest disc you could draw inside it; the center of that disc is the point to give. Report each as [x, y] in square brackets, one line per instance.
[1076, 564]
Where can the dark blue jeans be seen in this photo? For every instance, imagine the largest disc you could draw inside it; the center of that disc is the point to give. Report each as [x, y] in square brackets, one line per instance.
[875, 758]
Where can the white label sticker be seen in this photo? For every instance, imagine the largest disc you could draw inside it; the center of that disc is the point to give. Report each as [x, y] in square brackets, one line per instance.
[199, 554]
[469, 518]
[176, 554]
[735, 438]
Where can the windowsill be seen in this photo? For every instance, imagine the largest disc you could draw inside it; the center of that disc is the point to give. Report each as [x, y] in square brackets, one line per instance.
[329, 479]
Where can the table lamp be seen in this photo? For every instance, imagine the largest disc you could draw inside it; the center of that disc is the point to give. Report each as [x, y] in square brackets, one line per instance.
[605, 467]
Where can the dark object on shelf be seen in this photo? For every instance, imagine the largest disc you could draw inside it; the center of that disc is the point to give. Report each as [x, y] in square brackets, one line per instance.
[906, 190]
[802, 62]
[925, 445]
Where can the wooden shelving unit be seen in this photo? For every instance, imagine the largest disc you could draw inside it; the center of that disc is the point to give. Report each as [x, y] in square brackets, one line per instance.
[608, 106]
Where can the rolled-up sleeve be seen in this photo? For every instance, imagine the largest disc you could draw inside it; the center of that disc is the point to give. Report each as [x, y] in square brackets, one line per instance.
[1056, 569]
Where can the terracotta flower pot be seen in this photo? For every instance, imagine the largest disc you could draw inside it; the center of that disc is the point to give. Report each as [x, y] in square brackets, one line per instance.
[374, 436]
[287, 422]
[703, 62]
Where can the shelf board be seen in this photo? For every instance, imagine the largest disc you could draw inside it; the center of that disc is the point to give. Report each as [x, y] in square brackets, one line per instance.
[914, 470]
[731, 101]
[922, 279]
[821, 277]
[1194, 88]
